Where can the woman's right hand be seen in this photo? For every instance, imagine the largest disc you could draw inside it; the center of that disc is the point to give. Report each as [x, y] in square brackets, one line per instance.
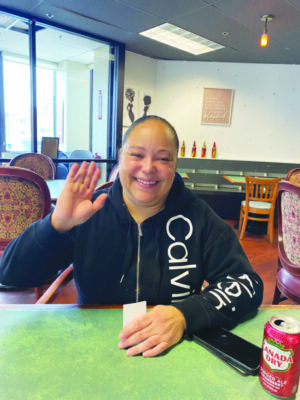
[74, 205]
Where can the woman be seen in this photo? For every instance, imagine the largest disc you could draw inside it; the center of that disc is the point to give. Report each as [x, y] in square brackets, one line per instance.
[149, 238]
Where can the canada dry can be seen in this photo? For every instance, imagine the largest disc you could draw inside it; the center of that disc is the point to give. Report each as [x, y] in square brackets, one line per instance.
[280, 362]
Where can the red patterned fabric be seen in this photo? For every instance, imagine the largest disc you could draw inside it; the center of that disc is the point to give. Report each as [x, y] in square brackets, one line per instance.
[20, 205]
[24, 198]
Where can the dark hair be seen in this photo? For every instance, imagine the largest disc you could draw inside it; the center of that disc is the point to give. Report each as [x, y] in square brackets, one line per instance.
[154, 118]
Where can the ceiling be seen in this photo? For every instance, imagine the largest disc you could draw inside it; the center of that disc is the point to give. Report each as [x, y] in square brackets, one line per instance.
[234, 24]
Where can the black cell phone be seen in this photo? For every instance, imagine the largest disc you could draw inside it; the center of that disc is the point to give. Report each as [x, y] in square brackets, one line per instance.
[240, 354]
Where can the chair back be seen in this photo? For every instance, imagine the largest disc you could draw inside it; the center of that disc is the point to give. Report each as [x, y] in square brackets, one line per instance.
[261, 189]
[105, 185]
[49, 295]
[289, 226]
[293, 176]
[259, 204]
[36, 162]
[112, 177]
[24, 198]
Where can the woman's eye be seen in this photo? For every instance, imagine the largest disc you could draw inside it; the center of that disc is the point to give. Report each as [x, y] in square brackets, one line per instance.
[165, 159]
[137, 155]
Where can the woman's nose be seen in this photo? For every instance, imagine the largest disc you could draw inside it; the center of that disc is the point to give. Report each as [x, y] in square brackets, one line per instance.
[148, 164]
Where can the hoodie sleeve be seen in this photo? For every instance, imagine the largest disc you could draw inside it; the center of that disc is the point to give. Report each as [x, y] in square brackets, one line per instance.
[234, 288]
[35, 256]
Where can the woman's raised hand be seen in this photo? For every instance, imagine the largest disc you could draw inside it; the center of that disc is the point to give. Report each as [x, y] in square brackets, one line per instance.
[74, 205]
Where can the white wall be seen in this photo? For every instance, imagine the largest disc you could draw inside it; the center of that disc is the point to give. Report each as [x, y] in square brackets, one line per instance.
[266, 105]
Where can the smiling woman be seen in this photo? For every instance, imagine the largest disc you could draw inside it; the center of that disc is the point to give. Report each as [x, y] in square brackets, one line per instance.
[158, 243]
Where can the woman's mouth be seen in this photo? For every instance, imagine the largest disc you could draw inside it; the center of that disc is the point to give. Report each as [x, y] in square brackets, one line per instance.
[146, 182]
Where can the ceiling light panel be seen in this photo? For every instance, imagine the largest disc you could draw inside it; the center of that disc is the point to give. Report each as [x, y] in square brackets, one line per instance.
[180, 38]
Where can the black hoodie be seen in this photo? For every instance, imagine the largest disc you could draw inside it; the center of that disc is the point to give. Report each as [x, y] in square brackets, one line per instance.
[164, 260]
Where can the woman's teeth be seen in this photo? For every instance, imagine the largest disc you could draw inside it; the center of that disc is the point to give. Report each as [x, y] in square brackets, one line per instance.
[146, 182]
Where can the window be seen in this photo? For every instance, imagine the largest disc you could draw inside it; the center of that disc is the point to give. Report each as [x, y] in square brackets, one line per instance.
[46, 100]
[71, 95]
[16, 79]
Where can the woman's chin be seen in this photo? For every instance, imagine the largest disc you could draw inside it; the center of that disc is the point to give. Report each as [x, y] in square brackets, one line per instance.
[145, 200]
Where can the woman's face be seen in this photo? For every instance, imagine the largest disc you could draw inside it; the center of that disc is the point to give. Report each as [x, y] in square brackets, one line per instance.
[147, 164]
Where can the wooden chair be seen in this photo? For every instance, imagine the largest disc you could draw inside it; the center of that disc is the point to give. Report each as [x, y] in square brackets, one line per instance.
[24, 198]
[259, 204]
[36, 162]
[51, 293]
[288, 273]
[112, 176]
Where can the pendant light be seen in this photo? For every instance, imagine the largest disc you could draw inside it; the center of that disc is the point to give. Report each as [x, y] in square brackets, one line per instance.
[264, 39]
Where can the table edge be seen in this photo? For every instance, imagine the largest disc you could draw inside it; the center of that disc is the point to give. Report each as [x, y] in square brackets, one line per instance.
[118, 306]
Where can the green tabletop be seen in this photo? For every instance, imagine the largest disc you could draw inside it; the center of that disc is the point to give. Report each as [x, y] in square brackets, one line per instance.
[235, 179]
[69, 353]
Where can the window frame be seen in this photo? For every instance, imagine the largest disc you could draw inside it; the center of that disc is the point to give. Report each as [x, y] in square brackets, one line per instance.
[116, 84]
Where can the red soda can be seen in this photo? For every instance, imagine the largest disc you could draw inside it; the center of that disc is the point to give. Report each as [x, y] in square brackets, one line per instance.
[280, 361]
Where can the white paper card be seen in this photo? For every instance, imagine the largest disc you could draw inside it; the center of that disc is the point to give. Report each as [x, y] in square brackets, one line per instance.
[132, 311]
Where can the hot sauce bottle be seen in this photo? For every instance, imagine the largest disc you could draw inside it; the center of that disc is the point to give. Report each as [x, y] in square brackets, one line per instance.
[194, 149]
[214, 151]
[182, 150]
[203, 151]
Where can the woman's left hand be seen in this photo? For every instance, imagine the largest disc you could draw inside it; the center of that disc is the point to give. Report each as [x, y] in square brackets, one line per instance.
[153, 332]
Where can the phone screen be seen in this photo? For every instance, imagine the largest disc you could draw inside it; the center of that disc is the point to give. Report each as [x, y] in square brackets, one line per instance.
[233, 347]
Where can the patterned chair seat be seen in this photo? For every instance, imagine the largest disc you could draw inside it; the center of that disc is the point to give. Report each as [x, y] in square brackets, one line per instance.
[258, 204]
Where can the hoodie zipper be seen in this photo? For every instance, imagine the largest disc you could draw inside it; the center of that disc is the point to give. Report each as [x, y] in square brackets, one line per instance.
[137, 290]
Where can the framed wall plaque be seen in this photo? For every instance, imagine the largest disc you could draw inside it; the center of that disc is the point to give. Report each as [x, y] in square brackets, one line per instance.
[216, 106]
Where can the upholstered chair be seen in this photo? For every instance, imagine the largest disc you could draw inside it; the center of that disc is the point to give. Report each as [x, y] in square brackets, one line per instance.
[24, 198]
[36, 162]
[288, 273]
